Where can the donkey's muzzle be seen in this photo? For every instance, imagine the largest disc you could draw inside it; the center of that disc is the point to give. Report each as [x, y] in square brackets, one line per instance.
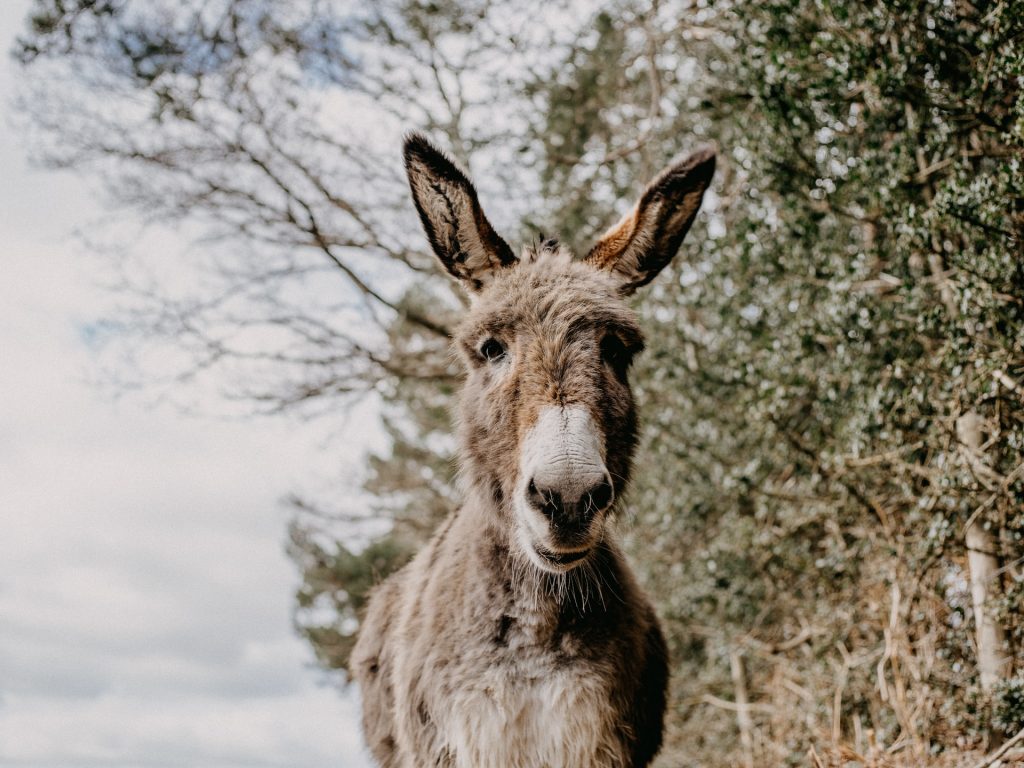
[568, 510]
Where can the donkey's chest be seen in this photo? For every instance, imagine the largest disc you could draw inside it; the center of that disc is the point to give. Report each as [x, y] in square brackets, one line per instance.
[529, 714]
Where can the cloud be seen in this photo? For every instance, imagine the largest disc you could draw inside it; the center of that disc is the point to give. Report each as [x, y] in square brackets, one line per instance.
[120, 729]
[144, 594]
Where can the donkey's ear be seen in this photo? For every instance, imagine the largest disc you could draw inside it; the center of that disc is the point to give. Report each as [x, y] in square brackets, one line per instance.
[648, 237]
[455, 224]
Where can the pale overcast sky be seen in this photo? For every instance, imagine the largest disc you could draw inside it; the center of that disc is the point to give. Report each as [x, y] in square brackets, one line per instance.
[144, 594]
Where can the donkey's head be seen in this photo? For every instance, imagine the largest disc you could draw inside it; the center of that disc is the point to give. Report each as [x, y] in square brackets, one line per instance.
[547, 421]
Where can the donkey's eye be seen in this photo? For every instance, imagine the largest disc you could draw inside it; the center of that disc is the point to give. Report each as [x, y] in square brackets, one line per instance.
[492, 350]
[615, 353]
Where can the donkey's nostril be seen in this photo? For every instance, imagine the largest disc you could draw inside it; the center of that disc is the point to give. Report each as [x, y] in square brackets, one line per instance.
[573, 511]
[535, 496]
[547, 500]
[598, 497]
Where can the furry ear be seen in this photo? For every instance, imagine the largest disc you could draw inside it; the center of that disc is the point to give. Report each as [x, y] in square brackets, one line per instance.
[455, 224]
[648, 237]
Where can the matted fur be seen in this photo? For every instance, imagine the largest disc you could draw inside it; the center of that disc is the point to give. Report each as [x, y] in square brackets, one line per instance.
[473, 656]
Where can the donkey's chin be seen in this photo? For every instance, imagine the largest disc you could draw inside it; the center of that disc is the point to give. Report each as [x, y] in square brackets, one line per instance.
[552, 560]
[562, 559]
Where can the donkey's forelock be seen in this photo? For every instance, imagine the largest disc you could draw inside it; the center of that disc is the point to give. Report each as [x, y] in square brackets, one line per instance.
[544, 247]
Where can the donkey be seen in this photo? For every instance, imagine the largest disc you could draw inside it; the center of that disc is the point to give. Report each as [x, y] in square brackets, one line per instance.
[519, 637]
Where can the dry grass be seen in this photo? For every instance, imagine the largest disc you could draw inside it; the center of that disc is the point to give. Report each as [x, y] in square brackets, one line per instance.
[1011, 753]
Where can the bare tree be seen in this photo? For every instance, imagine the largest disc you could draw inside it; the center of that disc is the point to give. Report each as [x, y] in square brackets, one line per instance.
[269, 131]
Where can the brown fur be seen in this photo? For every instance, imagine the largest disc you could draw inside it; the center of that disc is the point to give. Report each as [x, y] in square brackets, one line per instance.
[613, 242]
[472, 655]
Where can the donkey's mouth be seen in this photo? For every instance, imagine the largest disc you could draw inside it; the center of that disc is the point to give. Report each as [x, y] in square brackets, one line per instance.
[562, 558]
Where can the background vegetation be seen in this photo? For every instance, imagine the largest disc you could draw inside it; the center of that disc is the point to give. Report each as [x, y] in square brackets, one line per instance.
[830, 510]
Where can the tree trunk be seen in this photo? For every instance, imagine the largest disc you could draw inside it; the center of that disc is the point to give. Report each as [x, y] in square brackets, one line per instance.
[984, 572]
[743, 719]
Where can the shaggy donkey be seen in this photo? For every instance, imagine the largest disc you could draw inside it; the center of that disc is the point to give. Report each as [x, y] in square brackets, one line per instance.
[518, 638]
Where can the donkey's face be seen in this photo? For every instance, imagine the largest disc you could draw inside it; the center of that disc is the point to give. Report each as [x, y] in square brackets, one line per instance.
[547, 416]
[547, 419]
